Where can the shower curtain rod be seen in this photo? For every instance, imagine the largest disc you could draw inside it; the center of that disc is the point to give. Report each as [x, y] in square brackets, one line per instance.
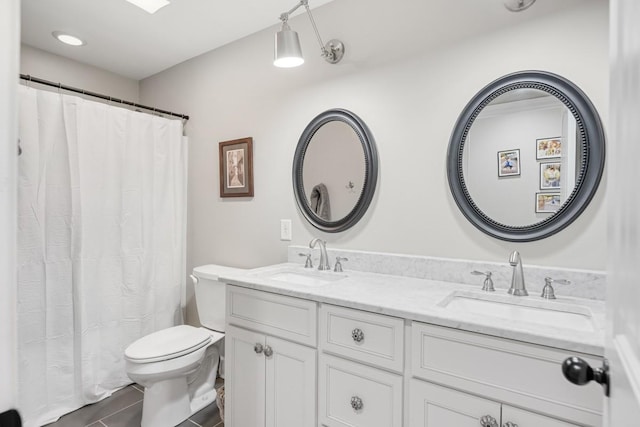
[98, 95]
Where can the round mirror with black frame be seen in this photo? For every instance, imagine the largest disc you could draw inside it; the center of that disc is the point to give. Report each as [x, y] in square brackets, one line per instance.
[335, 170]
[526, 156]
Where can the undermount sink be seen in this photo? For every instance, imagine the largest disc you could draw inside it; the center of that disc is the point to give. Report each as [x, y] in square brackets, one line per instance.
[302, 277]
[522, 310]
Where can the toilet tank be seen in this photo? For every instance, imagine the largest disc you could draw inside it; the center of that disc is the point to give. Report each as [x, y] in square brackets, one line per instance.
[210, 295]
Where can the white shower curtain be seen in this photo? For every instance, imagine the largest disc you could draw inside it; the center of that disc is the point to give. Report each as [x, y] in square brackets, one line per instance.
[101, 232]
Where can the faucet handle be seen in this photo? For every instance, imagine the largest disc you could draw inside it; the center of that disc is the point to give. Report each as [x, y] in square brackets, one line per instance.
[338, 266]
[308, 263]
[547, 291]
[488, 282]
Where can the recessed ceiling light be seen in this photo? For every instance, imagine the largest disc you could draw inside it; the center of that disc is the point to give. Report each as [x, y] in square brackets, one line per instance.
[151, 6]
[68, 38]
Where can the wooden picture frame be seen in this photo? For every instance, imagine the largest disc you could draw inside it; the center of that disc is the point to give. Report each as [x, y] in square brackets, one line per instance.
[509, 163]
[236, 168]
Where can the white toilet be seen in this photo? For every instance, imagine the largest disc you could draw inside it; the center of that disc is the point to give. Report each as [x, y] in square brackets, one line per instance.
[178, 366]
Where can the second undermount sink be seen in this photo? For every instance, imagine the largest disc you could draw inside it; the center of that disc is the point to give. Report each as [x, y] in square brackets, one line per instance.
[522, 310]
[299, 276]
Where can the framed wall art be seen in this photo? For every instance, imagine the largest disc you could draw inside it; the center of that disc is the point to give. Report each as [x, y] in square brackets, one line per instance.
[550, 176]
[236, 168]
[548, 202]
[509, 163]
[548, 148]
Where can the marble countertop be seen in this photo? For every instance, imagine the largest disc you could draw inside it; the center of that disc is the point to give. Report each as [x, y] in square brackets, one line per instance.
[424, 301]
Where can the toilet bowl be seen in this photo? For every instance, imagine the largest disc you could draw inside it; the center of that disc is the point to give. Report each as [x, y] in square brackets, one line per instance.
[178, 366]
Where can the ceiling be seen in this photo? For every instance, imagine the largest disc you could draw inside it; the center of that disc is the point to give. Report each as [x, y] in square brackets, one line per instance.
[126, 40]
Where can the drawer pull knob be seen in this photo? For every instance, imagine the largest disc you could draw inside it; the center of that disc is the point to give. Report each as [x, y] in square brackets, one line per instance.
[356, 403]
[268, 351]
[257, 348]
[488, 421]
[509, 424]
[357, 335]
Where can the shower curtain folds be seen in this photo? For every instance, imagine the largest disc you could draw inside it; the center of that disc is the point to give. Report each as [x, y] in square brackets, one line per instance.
[101, 212]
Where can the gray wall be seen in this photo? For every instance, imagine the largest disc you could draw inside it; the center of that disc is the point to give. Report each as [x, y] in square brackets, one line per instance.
[410, 98]
[38, 63]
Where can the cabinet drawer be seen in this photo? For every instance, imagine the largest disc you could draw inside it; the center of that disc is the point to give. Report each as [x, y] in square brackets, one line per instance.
[371, 338]
[342, 381]
[518, 417]
[514, 372]
[277, 315]
[434, 406]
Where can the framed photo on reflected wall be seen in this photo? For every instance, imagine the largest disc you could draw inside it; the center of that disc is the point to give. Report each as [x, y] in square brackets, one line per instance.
[547, 202]
[236, 168]
[509, 163]
[550, 176]
[548, 148]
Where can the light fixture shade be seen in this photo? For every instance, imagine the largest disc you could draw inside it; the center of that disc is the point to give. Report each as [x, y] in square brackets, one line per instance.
[288, 52]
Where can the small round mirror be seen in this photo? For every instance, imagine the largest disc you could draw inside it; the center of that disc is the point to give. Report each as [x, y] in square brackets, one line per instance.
[335, 170]
[526, 156]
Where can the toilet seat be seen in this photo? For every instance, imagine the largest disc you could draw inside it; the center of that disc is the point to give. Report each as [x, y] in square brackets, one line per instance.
[168, 344]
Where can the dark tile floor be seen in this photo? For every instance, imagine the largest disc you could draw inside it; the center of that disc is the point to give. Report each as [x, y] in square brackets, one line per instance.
[124, 409]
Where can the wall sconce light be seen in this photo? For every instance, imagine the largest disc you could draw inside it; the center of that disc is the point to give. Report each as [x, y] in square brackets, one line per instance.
[288, 52]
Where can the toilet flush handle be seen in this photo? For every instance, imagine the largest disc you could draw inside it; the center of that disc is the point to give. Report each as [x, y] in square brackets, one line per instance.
[194, 279]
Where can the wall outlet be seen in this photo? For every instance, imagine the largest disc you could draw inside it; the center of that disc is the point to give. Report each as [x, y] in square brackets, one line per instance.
[285, 229]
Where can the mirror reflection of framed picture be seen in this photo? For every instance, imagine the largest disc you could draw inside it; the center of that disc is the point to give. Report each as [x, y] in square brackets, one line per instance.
[548, 148]
[236, 168]
[550, 176]
[509, 163]
[548, 202]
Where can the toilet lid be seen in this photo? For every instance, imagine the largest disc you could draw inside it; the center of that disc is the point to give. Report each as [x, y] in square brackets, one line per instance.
[167, 344]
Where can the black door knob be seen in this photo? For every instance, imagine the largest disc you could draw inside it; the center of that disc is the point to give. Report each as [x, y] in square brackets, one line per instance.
[578, 371]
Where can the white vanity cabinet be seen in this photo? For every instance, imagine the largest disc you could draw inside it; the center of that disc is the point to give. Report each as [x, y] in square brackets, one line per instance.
[498, 376]
[293, 362]
[270, 360]
[360, 370]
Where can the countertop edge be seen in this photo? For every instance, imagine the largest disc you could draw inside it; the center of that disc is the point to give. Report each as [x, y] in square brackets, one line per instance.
[426, 316]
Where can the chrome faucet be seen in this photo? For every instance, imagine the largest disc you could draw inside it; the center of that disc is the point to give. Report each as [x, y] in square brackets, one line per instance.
[324, 259]
[517, 280]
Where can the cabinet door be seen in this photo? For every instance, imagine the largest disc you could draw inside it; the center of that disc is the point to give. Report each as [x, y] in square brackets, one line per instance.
[434, 406]
[290, 384]
[245, 374]
[520, 418]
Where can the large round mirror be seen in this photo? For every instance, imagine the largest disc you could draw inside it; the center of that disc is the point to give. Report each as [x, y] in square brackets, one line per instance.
[335, 169]
[526, 156]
